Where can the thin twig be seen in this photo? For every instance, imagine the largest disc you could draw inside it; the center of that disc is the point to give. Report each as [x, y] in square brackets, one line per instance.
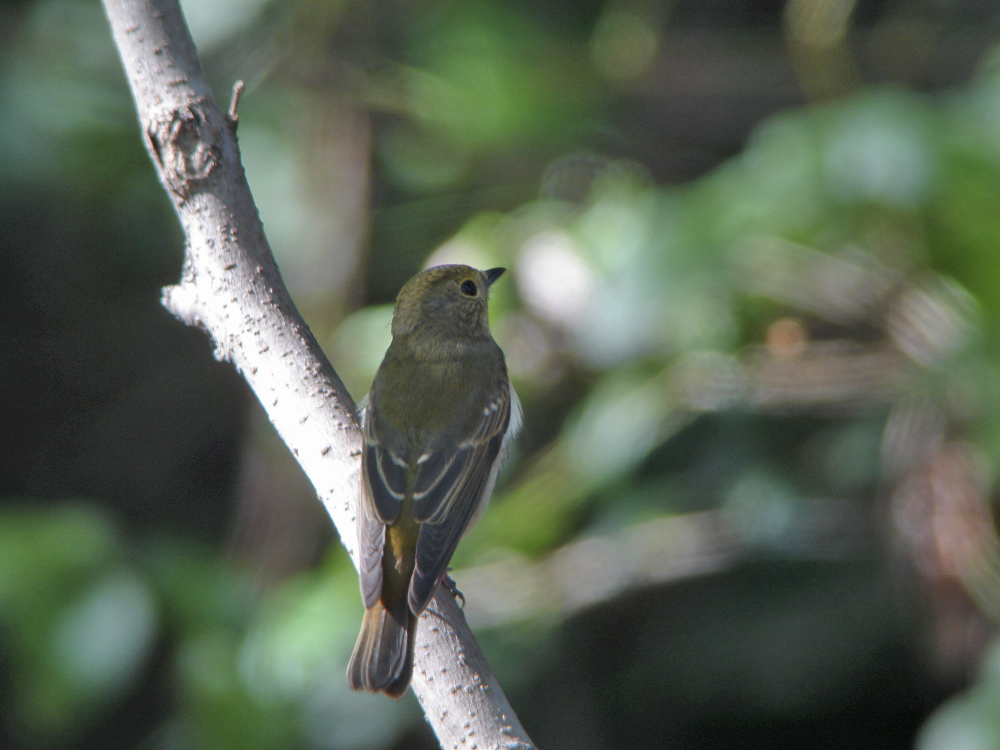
[235, 102]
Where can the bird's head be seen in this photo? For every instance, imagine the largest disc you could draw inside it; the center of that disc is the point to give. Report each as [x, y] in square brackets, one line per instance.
[445, 301]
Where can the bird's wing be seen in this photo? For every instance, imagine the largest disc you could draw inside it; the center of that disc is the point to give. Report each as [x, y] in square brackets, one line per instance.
[383, 486]
[449, 485]
[371, 541]
[384, 473]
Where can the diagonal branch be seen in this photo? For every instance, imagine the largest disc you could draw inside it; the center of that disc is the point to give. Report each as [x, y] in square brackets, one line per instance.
[232, 289]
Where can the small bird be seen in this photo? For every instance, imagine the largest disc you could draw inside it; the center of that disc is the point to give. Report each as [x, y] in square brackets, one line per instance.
[436, 426]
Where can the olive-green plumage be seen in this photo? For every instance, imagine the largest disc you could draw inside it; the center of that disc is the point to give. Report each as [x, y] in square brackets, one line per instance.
[435, 425]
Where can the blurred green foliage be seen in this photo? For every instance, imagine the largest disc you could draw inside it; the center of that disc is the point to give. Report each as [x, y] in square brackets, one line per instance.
[640, 319]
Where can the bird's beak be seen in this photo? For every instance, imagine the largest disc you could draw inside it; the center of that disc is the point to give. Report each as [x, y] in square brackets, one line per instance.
[493, 274]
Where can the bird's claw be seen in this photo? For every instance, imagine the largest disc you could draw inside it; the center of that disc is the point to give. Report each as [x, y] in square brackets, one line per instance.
[449, 584]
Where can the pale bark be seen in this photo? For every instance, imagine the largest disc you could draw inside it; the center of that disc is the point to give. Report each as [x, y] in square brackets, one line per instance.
[232, 289]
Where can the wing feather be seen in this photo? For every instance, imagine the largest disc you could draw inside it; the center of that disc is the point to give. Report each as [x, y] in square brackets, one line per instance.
[379, 503]
[371, 542]
[385, 474]
[443, 476]
[454, 488]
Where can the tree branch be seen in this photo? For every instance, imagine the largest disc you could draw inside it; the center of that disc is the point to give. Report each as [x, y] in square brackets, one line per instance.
[231, 288]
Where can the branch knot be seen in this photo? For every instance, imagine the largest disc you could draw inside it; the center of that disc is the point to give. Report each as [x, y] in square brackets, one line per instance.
[184, 146]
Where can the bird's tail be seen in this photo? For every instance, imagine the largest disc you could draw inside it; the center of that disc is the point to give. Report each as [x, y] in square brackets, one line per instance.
[383, 656]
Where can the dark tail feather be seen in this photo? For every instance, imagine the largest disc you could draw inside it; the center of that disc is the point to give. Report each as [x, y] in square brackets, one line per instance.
[383, 655]
[397, 688]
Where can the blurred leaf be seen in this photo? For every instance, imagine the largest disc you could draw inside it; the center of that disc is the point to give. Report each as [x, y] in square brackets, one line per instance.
[211, 23]
[358, 346]
[879, 146]
[78, 624]
[198, 592]
[63, 112]
[971, 720]
[104, 637]
[222, 711]
[297, 650]
[488, 78]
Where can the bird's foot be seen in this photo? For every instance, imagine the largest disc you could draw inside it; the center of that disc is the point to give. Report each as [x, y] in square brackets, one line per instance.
[449, 584]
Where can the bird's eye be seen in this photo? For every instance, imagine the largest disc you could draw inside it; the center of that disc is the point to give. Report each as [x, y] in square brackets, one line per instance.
[468, 288]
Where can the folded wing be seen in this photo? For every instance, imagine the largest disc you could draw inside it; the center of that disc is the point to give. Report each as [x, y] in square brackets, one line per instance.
[449, 486]
[383, 487]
